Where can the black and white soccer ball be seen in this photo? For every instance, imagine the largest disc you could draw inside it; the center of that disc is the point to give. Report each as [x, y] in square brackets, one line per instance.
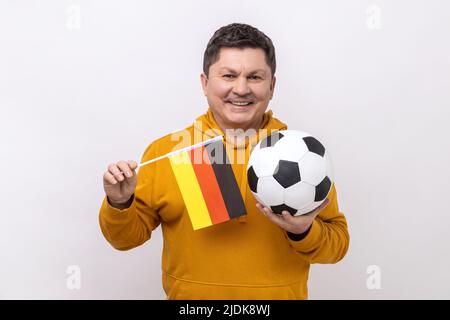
[290, 170]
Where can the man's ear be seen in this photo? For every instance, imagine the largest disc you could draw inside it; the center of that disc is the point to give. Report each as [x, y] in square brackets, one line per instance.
[272, 86]
[204, 82]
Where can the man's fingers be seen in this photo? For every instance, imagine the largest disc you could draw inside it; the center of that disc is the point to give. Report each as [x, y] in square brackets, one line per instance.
[110, 178]
[266, 211]
[260, 207]
[133, 164]
[125, 168]
[288, 217]
[114, 169]
[272, 216]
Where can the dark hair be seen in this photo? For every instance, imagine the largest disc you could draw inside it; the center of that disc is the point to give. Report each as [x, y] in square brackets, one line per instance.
[238, 35]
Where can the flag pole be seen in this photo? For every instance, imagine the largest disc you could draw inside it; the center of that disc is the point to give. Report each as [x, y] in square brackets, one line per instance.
[188, 148]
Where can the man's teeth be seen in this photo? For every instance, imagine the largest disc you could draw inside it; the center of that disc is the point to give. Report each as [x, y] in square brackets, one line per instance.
[240, 103]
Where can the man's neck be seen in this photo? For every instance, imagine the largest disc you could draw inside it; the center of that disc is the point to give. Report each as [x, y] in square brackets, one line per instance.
[240, 134]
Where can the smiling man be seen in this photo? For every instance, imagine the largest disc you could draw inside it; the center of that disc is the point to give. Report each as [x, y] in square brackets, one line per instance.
[238, 85]
[260, 255]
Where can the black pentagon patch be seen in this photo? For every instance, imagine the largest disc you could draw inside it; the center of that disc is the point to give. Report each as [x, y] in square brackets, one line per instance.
[271, 140]
[252, 179]
[314, 146]
[322, 189]
[287, 173]
[279, 209]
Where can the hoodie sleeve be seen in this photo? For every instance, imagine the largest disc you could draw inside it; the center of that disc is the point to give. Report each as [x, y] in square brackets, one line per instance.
[327, 240]
[128, 228]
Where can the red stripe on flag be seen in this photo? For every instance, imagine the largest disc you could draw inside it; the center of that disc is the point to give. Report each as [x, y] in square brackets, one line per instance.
[209, 186]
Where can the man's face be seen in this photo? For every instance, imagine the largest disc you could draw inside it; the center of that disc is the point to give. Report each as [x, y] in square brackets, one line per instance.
[239, 87]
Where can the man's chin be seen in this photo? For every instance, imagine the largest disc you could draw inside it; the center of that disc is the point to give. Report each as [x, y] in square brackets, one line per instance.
[240, 119]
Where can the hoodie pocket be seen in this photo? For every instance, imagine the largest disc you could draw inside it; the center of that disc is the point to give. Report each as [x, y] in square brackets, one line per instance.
[178, 289]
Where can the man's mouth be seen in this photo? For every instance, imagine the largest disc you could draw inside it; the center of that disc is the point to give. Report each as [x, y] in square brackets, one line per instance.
[240, 103]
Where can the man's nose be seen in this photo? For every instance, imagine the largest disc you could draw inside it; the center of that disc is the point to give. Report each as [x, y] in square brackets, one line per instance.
[241, 87]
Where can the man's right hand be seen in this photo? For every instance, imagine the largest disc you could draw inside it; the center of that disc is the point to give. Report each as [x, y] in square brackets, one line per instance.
[119, 187]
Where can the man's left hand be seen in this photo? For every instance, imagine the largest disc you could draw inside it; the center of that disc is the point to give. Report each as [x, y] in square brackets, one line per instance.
[293, 224]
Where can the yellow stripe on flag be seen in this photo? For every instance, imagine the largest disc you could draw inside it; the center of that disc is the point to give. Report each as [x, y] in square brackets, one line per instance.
[190, 190]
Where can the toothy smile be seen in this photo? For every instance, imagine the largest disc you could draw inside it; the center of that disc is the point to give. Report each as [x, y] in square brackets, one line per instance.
[240, 103]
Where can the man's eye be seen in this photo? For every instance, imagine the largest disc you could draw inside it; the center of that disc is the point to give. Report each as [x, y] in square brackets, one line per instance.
[255, 77]
[229, 76]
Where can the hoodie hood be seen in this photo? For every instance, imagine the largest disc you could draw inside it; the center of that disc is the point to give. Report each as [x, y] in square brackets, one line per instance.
[209, 129]
[209, 125]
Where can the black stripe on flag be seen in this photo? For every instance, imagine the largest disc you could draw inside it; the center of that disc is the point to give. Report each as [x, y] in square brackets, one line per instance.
[226, 179]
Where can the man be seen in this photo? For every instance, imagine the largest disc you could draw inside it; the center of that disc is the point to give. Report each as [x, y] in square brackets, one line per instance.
[255, 256]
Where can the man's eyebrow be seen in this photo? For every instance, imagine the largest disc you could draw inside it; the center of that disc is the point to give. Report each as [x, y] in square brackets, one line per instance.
[234, 71]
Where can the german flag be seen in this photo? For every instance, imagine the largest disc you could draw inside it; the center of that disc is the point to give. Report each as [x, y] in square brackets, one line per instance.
[207, 184]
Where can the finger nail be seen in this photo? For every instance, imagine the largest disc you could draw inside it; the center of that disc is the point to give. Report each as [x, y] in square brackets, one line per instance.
[128, 174]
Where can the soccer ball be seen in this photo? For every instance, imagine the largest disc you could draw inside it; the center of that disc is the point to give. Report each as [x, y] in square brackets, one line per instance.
[290, 170]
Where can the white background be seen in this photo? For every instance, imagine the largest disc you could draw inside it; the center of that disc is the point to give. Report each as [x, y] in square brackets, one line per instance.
[78, 95]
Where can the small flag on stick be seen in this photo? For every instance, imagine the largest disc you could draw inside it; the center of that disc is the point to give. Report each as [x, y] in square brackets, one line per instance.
[208, 185]
[207, 182]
